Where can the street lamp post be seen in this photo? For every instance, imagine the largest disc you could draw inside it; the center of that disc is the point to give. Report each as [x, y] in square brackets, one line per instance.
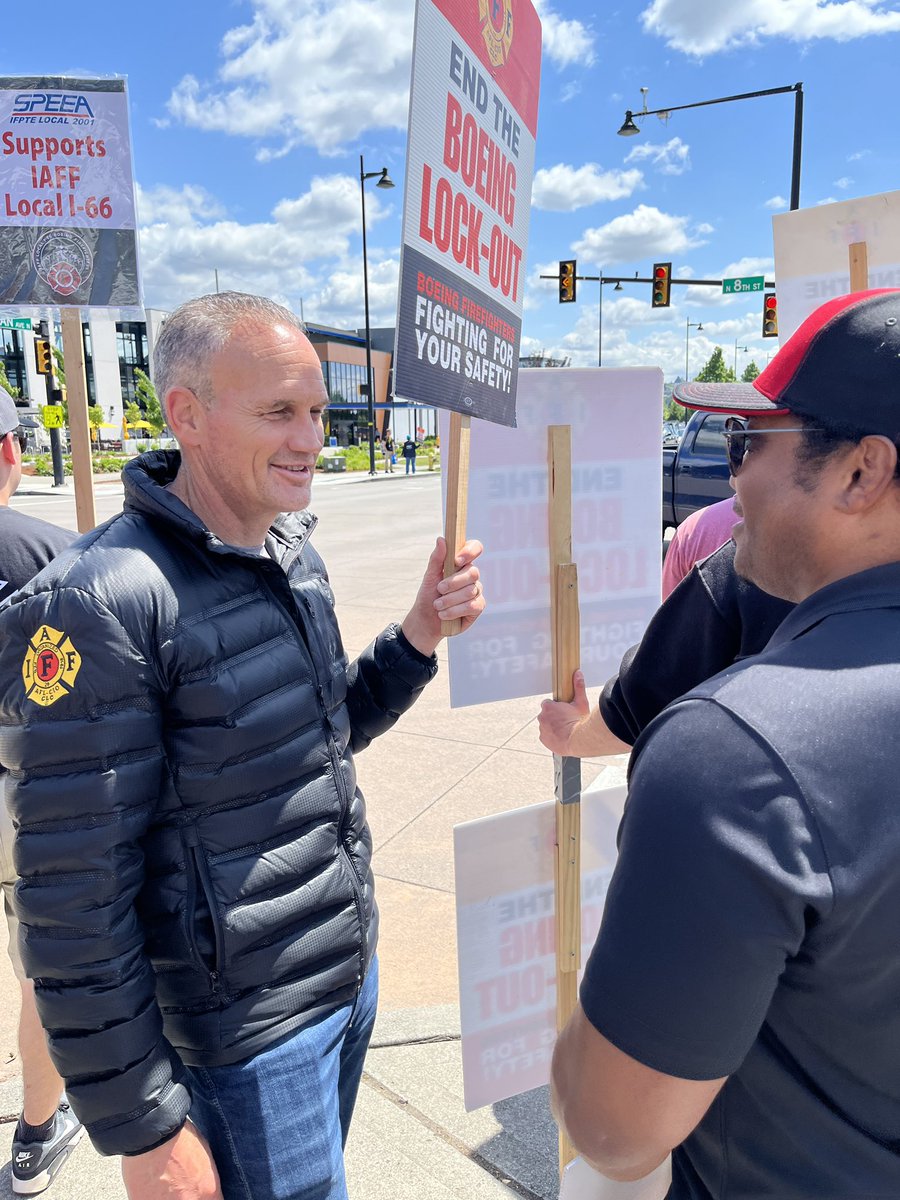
[630, 128]
[617, 288]
[744, 349]
[698, 325]
[383, 182]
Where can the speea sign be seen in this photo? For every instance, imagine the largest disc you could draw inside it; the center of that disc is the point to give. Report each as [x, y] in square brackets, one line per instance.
[73, 104]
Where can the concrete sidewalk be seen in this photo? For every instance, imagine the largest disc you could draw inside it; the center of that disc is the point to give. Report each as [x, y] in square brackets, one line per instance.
[411, 1138]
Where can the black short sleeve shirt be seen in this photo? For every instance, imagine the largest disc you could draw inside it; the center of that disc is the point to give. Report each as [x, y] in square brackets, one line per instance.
[712, 618]
[751, 926]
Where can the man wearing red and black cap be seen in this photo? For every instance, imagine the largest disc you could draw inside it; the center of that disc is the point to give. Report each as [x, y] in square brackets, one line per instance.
[741, 1006]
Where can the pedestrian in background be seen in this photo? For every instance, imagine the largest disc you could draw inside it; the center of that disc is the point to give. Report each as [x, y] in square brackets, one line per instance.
[410, 448]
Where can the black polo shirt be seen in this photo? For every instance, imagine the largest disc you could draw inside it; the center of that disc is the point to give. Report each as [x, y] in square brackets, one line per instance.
[712, 618]
[752, 927]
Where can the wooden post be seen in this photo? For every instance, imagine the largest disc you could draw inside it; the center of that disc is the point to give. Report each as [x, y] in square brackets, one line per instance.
[565, 641]
[79, 429]
[457, 500]
[859, 267]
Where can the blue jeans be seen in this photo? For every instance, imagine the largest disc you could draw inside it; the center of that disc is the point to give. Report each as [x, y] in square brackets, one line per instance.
[410, 462]
[277, 1123]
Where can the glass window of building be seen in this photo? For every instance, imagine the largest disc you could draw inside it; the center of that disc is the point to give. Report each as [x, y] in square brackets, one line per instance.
[12, 355]
[131, 344]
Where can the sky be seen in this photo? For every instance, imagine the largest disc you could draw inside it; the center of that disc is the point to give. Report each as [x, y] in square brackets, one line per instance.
[249, 116]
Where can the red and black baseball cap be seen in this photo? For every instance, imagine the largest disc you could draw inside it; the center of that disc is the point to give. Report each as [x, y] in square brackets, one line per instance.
[840, 367]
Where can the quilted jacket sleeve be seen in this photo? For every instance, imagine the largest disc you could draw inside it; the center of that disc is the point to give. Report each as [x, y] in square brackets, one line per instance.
[383, 683]
[81, 735]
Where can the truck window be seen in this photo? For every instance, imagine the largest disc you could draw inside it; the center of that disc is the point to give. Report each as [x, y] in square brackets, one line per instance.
[708, 440]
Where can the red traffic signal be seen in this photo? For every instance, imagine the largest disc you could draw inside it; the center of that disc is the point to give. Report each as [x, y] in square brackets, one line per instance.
[662, 284]
[770, 315]
[567, 281]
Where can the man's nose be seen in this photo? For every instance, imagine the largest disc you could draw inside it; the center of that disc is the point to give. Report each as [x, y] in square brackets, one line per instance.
[307, 435]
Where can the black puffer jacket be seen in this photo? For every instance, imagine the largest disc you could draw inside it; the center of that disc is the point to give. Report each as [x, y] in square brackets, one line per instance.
[192, 846]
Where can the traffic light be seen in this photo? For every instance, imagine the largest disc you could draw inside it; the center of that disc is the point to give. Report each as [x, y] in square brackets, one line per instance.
[662, 285]
[567, 281]
[43, 357]
[770, 315]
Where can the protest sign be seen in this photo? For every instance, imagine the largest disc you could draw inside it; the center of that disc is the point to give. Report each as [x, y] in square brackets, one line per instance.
[505, 933]
[811, 252]
[470, 162]
[67, 214]
[616, 417]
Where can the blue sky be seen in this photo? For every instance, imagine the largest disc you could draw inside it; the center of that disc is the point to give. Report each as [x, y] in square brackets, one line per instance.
[248, 119]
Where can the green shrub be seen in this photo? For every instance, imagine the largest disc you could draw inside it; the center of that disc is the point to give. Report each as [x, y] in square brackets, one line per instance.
[102, 464]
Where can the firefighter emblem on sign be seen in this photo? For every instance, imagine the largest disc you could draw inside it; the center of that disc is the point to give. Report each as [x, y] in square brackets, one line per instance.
[497, 28]
[50, 666]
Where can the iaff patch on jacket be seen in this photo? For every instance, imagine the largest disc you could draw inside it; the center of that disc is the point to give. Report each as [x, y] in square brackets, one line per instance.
[50, 666]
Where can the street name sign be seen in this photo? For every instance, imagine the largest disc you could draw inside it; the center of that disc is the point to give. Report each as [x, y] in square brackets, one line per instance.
[15, 323]
[753, 283]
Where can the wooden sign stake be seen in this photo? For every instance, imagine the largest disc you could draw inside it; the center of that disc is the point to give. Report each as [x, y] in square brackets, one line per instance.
[457, 500]
[859, 267]
[565, 642]
[79, 428]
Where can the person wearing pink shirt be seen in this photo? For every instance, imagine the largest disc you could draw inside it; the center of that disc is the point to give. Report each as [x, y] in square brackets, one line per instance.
[695, 539]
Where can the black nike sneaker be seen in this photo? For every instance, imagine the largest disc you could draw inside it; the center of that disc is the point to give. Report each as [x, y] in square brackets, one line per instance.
[36, 1164]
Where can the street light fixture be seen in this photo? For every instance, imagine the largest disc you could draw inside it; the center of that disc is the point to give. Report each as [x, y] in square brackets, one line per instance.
[384, 181]
[630, 128]
[744, 349]
[698, 325]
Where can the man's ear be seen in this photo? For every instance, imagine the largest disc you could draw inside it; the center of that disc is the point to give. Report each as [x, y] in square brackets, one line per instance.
[185, 415]
[869, 472]
[7, 449]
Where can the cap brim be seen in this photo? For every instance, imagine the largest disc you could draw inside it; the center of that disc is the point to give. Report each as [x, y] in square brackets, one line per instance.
[28, 423]
[741, 399]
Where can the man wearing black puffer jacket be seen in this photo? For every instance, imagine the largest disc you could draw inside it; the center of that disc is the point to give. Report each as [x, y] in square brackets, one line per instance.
[196, 901]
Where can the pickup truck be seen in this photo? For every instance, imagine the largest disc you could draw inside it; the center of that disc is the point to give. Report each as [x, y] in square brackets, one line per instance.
[696, 474]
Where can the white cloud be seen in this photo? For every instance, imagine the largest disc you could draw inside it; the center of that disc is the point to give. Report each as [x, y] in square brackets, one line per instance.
[857, 155]
[673, 158]
[746, 266]
[186, 237]
[162, 203]
[843, 183]
[570, 91]
[827, 200]
[776, 203]
[565, 42]
[313, 72]
[563, 188]
[638, 236]
[304, 71]
[702, 27]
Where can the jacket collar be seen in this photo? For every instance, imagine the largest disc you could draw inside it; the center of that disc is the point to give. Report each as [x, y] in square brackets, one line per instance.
[879, 587]
[146, 479]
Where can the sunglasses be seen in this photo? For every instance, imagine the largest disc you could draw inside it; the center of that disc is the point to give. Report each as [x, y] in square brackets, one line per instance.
[736, 434]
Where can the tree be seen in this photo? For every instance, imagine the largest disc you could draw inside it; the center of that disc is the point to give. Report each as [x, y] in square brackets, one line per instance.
[59, 365]
[133, 413]
[95, 419]
[715, 370]
[750, 372]
[5, 384]
[149, 402]
[673, 411]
